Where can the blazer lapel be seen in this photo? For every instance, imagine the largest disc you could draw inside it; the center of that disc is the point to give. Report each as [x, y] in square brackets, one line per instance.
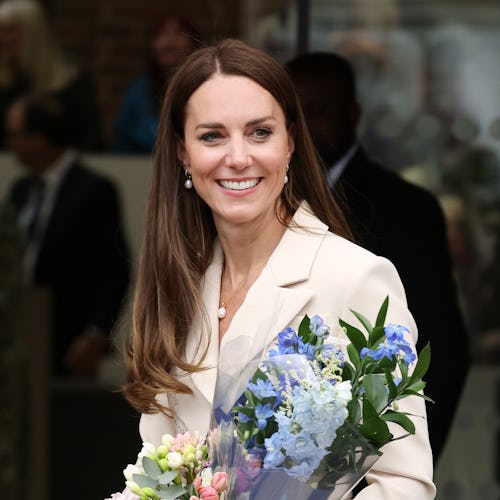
[199, 339]
[270, 305]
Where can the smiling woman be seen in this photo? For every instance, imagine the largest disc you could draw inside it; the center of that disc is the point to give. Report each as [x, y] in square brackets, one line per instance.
[242, 238]
[237, 148]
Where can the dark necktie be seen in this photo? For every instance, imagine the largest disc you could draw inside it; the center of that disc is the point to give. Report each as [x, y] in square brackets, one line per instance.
[37, 193]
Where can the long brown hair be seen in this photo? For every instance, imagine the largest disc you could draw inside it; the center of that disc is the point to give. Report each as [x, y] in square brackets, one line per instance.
[179, 231]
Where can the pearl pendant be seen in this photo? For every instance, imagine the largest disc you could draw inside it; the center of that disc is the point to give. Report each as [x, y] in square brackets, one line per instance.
[221, 312]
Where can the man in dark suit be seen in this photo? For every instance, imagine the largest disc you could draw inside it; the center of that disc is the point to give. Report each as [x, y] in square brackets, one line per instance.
[71, 223]
[392, 218]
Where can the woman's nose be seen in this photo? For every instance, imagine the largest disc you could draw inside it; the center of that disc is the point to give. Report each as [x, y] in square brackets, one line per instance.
[238, 155]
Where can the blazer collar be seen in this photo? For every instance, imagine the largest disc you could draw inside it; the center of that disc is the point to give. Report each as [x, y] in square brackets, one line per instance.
[270, 305]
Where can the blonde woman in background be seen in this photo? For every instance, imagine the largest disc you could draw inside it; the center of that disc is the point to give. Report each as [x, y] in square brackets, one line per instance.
[33, 62]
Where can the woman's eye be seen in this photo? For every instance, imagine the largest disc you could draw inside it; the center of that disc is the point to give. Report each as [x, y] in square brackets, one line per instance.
[261, 132]
[210, 136]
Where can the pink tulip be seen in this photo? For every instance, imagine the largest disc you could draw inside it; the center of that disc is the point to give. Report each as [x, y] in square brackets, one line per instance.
[219, 481]
[192, 497]
[197, 483]
[208, 493]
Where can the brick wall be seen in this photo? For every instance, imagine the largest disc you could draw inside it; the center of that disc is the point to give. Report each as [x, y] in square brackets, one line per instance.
[110, 37]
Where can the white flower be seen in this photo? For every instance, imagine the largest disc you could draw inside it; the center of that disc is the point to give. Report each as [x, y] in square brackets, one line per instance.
[206, 477]
[175, 460]
[130, 470]
[148, 450]
[133, 487]
[167, 440]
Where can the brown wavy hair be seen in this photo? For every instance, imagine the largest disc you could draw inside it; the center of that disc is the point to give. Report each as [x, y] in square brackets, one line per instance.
[179, 231]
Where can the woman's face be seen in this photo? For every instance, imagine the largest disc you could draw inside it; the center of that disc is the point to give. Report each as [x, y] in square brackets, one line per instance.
[236, 148]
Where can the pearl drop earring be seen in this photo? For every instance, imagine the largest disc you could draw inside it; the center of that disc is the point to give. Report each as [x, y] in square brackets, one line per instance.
[286, 176]
[188, 183]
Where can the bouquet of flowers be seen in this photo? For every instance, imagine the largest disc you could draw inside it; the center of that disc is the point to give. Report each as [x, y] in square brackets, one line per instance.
[308, 424]
[309, 413]
[177, 469]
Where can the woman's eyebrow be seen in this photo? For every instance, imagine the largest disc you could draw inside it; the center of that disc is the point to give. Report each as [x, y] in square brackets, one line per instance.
[217, 125]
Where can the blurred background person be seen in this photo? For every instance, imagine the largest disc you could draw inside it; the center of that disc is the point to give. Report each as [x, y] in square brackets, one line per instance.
[392, 218]
[172, 39]
[71, 223]
[32, 62]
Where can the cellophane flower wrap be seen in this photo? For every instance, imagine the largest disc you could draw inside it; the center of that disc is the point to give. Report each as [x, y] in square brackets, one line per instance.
[178, 469]
[310, 423]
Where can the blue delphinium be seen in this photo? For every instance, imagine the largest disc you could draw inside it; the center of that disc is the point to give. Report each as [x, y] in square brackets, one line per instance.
[263, 389]
[318, 327]
[262, 413]
[393, 346]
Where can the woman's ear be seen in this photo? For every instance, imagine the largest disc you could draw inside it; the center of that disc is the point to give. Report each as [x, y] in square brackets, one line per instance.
[291, 142]
[182, 155]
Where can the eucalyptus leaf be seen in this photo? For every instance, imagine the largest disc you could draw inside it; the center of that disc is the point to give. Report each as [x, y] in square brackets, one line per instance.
[168, 476]
[172, 492]
[144, 481]
[151, 468]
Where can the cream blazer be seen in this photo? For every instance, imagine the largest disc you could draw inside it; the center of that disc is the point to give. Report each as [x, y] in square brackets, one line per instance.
[311, 271]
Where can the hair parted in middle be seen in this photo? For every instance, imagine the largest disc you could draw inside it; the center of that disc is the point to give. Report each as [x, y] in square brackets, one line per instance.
[179, 230]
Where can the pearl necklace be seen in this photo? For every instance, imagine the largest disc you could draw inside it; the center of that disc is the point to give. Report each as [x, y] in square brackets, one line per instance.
[222, 310]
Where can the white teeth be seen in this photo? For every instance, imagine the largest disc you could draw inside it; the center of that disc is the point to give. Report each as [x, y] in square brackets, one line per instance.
[239, 186]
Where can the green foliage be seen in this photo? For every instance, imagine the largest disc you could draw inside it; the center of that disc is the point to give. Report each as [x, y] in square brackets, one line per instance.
[374, 380]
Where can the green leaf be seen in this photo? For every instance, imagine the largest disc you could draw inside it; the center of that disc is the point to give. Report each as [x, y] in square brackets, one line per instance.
[417, 386]
[376, 429]
[382, 313]
[393, 388]
[375, 391]
[404, 370]
[368, 326]
[151, 468]
[144, 481]
[356, 336]
[376, 336]
[172, 492]
[304, 329]
[353, 355]
[409, 392]
[369, 410]
[424, 360]
[354, 409]
[400, 419]
[347, 371]
[168, 476]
